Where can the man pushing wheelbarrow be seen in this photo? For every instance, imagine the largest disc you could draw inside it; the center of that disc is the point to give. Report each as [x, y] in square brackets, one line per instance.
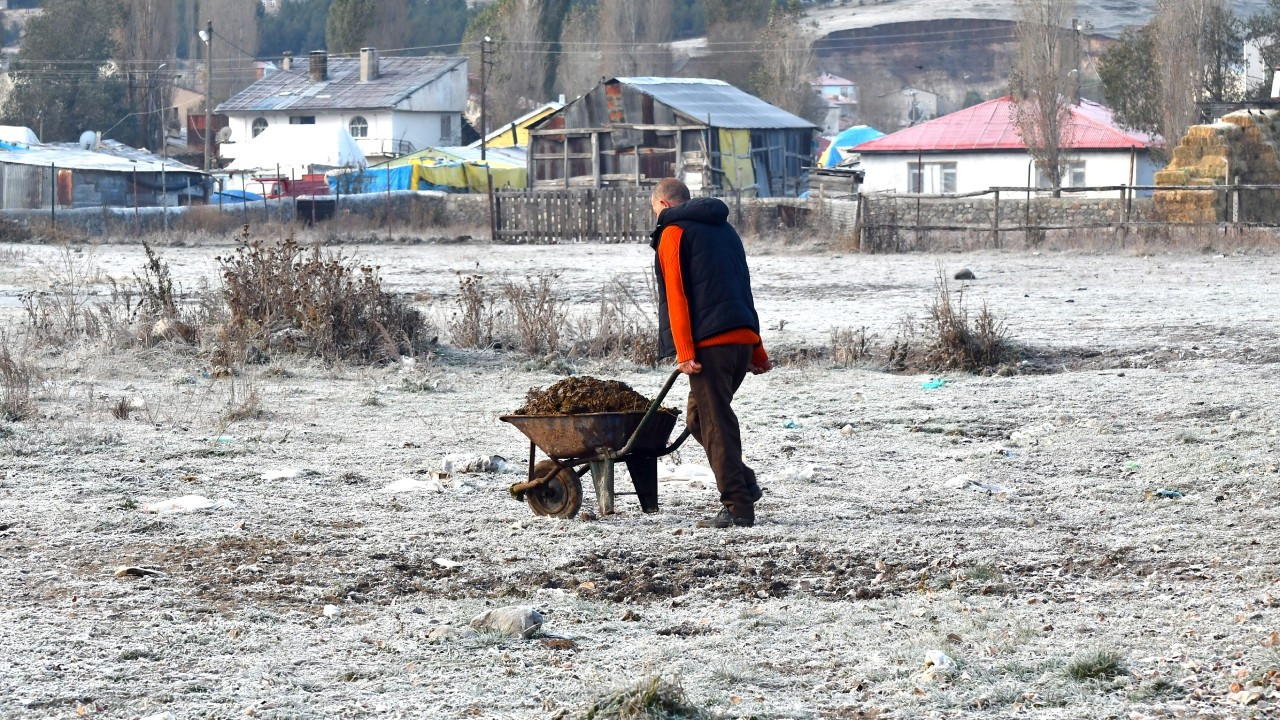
[707, 320]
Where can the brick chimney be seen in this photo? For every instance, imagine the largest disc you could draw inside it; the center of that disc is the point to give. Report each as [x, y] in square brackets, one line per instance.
[368, 64]
[286, 62]
[319, 71]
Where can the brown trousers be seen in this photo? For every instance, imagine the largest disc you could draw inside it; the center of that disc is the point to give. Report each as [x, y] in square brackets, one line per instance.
[713, 424]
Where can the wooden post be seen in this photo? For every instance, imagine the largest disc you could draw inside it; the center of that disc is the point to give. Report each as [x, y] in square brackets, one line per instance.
[53, 194]
[995, 222]
[680, 155]
[595, 157]
[566, 158]
[1235, 205]
[137, 219]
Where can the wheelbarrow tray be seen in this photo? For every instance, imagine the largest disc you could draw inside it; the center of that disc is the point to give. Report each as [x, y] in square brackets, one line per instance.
[582, 436]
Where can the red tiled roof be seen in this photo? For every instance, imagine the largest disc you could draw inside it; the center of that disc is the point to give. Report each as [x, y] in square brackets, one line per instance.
[990, 126]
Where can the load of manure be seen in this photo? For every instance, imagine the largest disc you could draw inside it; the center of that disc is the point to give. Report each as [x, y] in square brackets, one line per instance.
[584, 394]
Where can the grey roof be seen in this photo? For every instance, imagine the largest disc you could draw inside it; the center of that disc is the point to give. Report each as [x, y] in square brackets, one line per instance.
[110, 156]
[727, 106]
[398, 78]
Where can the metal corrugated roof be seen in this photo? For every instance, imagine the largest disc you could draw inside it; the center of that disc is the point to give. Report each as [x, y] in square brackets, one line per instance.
[110, 156]
[398, 77]
[990, 126]
[724, 104]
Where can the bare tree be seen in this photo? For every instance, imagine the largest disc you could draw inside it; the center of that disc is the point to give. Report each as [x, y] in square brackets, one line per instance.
[785, 49]
[634, 37]
[518, 75]
[1042, 82]
[579, 68]
[147, 41]
[235, 23]
[1179, 55]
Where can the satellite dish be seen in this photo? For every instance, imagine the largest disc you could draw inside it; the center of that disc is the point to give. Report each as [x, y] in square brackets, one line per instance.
[88, 140]
[224, 135]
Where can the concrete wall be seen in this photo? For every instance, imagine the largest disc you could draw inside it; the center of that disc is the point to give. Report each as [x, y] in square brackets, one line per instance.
[978, 171]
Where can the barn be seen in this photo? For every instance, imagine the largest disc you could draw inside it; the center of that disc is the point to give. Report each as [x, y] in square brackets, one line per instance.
[634, 131]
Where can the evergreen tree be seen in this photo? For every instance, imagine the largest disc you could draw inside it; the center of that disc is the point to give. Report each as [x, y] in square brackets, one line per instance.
[63, 88]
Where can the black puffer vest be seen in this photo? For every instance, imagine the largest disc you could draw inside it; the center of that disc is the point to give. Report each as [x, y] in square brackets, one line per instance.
[714, 268]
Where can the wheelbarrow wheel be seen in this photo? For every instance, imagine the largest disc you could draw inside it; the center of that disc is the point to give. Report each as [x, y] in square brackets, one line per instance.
[561, 496]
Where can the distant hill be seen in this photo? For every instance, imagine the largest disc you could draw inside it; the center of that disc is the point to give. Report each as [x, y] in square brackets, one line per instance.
[1108, 17]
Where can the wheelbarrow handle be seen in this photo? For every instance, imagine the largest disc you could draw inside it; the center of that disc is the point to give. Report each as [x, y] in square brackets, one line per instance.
[653, 408]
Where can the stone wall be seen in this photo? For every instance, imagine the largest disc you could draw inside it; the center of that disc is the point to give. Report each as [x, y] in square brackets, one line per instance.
[888, 216]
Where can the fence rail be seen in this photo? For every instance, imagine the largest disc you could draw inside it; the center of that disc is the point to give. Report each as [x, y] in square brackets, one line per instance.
[893, 222]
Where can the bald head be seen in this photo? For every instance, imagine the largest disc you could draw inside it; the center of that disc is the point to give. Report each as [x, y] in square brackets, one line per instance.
[671, 191]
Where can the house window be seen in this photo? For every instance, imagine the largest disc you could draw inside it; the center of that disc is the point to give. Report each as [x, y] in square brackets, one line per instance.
[259, 124]
[1072, 175]
[934, 178]
[359, 127]
[446, 127]
[302, 120]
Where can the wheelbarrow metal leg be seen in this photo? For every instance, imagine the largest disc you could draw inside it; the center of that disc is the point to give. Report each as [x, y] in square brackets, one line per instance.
[602, 477]
[644, 475]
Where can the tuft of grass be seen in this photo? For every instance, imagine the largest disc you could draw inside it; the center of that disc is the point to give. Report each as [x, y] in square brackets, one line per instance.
[1099, 665]
[653, 697]
[121, 410]
[850, 347]
[18, 375]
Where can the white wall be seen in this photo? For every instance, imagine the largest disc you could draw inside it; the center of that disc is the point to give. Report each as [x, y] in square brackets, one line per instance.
[416, 119]
[980, 171]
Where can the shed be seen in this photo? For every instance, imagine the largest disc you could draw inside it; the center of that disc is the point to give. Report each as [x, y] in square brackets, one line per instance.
[637, 130]
[108, 174]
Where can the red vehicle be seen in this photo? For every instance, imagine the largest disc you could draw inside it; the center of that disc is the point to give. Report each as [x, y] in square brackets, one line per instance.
[275, 186]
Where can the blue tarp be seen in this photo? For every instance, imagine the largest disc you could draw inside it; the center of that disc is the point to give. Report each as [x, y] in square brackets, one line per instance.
[370, 180]
[233, 196]
[847, 138]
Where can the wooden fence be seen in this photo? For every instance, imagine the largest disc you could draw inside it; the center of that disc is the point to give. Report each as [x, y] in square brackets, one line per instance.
[611, 215]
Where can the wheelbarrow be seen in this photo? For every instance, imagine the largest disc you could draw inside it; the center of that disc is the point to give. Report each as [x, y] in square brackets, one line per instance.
[576, 444]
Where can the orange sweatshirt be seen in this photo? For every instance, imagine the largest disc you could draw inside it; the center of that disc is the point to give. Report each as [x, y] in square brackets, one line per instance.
[678, 307]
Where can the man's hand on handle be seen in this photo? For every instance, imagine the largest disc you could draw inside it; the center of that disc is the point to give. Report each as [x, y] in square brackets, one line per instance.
[690, 367]
[761, 368]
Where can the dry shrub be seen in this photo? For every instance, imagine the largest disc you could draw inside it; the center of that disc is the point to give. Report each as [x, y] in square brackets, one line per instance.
[529, 316]
[948, 339]
[472, 325]
[622, 327]
[18, 375]
[282, 295]
[653, 697]
[537, 316]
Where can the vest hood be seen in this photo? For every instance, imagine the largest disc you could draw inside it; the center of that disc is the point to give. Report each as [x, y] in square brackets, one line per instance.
[708, 210]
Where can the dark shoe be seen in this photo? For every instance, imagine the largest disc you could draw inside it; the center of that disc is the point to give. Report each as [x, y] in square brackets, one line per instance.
[755, 493]
[725, 519]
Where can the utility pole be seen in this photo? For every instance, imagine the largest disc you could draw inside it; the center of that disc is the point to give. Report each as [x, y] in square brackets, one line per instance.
[208, 95]
[1075, 61]
[486, 52]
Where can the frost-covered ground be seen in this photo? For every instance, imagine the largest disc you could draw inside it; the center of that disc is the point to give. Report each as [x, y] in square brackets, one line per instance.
[1014, 525]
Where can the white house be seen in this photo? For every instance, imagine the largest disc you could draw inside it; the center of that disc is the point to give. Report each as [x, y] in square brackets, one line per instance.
[979, 147]
[840, 97]
[391, 106]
